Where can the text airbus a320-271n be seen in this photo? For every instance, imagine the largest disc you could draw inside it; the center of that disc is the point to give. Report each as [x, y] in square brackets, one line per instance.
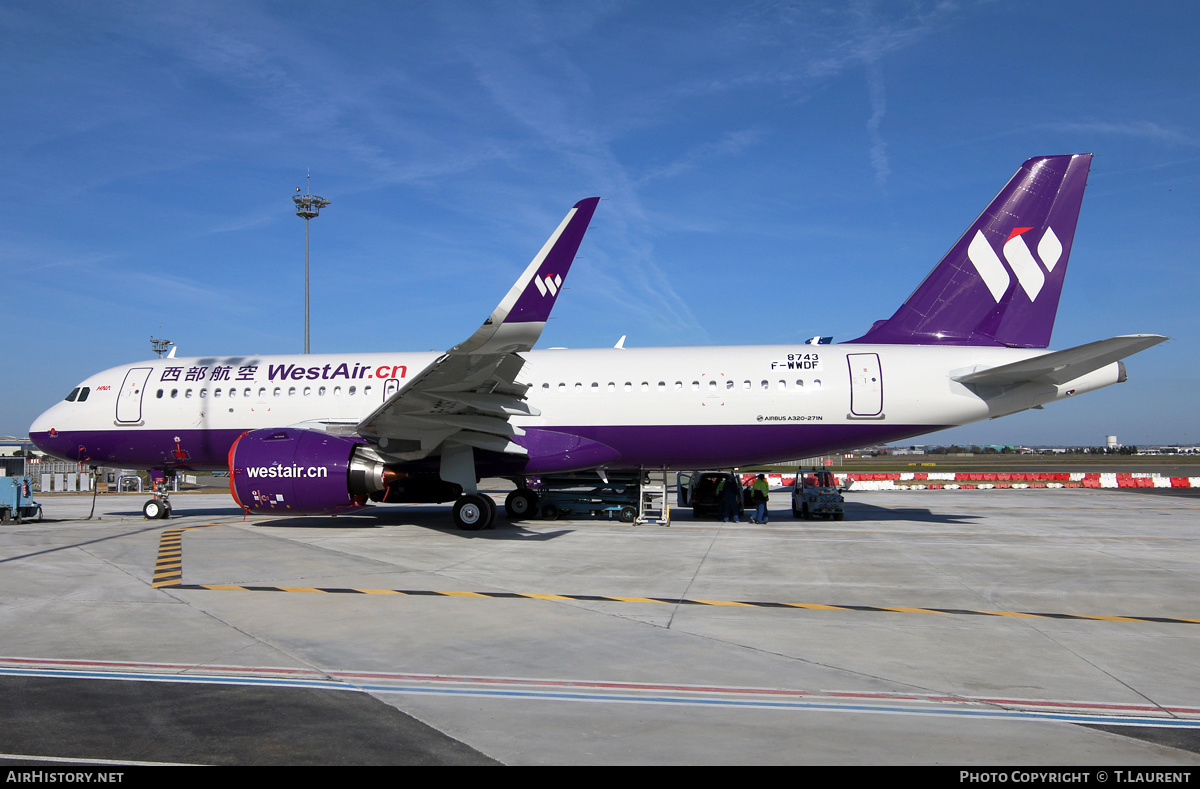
[322, 434]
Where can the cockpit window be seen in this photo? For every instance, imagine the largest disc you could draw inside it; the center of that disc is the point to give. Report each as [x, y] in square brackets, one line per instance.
[83, 393]
[71, 397]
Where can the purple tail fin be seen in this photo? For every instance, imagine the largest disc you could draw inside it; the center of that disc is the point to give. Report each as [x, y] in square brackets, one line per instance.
[999, 285]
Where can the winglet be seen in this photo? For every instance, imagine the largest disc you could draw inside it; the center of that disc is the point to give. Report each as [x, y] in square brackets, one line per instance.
[518, 320]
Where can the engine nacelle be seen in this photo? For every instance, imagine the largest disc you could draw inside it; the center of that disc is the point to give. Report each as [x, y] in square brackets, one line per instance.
[287, 471]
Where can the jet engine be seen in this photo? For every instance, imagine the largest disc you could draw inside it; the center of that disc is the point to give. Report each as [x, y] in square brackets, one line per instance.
[288, 471]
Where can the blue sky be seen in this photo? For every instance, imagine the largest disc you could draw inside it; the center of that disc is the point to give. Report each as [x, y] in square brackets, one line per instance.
[772, 171]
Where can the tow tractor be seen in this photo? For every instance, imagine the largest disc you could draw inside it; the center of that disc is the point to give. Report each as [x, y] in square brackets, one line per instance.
[816, 493]
[16, 502]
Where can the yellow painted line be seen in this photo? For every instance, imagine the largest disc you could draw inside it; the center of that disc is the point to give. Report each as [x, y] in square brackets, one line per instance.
[169, 571]
[815, 606]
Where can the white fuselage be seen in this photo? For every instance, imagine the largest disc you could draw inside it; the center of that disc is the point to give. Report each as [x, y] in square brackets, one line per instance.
[797, 400]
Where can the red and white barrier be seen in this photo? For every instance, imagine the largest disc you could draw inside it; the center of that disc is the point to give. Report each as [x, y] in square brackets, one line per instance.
[1015, 480]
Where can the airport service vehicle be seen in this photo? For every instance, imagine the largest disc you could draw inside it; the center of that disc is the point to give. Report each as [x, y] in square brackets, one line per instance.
[698, 490]
[816, 494]
[584, 495]
[16, 500]
[330, 433]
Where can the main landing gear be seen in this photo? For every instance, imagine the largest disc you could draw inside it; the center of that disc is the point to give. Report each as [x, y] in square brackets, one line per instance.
[474, 511]
[520, 504]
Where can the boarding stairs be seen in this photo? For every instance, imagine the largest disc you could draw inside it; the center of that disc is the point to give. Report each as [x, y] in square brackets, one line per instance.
[654, 506]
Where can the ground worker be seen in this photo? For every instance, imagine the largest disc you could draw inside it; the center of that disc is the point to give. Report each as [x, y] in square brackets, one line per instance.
[759, 493]
[728, 494]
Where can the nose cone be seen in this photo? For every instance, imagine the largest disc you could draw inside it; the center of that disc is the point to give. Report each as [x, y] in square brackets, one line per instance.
[47, 435]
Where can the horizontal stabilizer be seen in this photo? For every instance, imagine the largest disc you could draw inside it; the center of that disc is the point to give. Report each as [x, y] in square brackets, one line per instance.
[1059, 367]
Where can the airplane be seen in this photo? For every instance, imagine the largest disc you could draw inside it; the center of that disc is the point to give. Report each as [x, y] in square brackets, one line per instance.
[322, 434]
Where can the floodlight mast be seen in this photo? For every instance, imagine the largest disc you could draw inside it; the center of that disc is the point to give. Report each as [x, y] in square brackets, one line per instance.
[308, 205]
[160, 346]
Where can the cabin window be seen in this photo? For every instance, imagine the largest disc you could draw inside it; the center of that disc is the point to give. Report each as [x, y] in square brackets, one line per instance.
[578, 386]
[188, 393]
[679, 386]
[645, 386]
[247, 392]
[337, 391]
[816, 383]
[217, 392]
[546, 387]
[662, 386]
[612, 386]
[278, 391]
[782, 385]
[695, 386]
[366, 390]
[799, 383]
[321, 392]
[174, 393]
[595, 386]
[352, 390]
[204, 392]
[746, 385]
[628, 386]
[159, 394]
[307, 391]
[712, 386]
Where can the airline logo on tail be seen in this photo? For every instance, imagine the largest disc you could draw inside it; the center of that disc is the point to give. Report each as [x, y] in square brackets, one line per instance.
[551, 284]
[1020, 258]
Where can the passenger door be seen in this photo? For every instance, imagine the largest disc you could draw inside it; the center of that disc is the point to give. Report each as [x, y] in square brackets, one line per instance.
[866, 386]
[129, 400]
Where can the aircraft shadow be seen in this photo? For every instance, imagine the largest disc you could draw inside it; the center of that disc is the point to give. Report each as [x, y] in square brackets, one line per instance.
[858, 511]
[855, 511]
[437, 520]
[188, 512]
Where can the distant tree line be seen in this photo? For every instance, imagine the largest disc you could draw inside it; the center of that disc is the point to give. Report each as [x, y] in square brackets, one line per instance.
[955, 449]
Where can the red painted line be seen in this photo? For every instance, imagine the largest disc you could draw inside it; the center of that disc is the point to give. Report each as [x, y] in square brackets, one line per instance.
[175, 666]
[1042, 704]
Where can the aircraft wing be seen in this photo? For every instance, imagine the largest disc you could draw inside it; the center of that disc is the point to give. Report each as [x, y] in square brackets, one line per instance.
[1059, 367]
[468, 394]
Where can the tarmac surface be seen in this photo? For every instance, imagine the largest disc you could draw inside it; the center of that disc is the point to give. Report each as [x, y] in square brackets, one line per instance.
[963, 627]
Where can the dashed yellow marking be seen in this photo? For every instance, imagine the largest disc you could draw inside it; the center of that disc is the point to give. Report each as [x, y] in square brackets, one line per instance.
[168, 574]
